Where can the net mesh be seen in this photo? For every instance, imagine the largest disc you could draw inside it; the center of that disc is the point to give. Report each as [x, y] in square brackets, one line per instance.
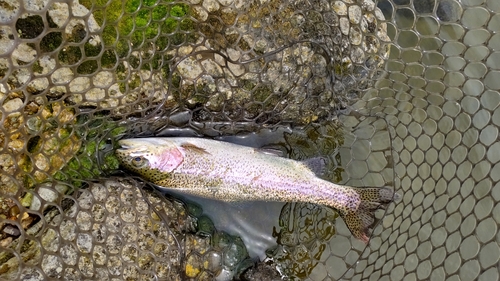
[399, 93]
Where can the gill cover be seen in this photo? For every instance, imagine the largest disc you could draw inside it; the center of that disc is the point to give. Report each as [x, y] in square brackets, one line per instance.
[163, 155]
[169, 159]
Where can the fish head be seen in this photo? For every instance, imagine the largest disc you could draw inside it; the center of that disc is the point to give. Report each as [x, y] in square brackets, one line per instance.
[152, 158]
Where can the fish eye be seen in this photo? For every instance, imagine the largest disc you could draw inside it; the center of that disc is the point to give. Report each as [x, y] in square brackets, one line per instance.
[138, 161]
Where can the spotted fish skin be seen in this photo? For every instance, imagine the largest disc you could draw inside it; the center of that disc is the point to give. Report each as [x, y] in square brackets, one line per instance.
[230, 172]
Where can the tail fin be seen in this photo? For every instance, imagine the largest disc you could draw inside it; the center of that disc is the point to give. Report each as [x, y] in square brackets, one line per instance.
[372, 199]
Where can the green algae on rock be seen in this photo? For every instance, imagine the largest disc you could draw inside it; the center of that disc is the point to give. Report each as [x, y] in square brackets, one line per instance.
[166, 21]
[98, 137]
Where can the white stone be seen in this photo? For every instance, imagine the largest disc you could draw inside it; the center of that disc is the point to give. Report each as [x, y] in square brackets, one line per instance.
[79, 84]
[189, 68]
[211, 5]
[95, 94]
[13, 105]
[62, 75]
[103, 79]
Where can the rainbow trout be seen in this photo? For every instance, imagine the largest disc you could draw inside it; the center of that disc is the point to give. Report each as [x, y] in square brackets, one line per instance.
[230, 172]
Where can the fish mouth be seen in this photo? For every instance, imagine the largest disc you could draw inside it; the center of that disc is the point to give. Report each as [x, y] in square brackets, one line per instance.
[127, 143]
[123, 146]
[123, 142]
[130, 148]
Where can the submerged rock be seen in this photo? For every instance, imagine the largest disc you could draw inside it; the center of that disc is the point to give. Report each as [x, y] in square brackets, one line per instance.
[113, 229]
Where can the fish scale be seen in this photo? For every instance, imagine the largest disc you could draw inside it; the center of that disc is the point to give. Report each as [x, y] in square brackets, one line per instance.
[230, 172]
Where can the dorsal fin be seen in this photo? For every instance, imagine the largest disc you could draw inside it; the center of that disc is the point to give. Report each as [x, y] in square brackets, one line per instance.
[191, 147]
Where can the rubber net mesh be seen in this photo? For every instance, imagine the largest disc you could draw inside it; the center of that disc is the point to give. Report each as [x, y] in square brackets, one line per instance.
[398, 93]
